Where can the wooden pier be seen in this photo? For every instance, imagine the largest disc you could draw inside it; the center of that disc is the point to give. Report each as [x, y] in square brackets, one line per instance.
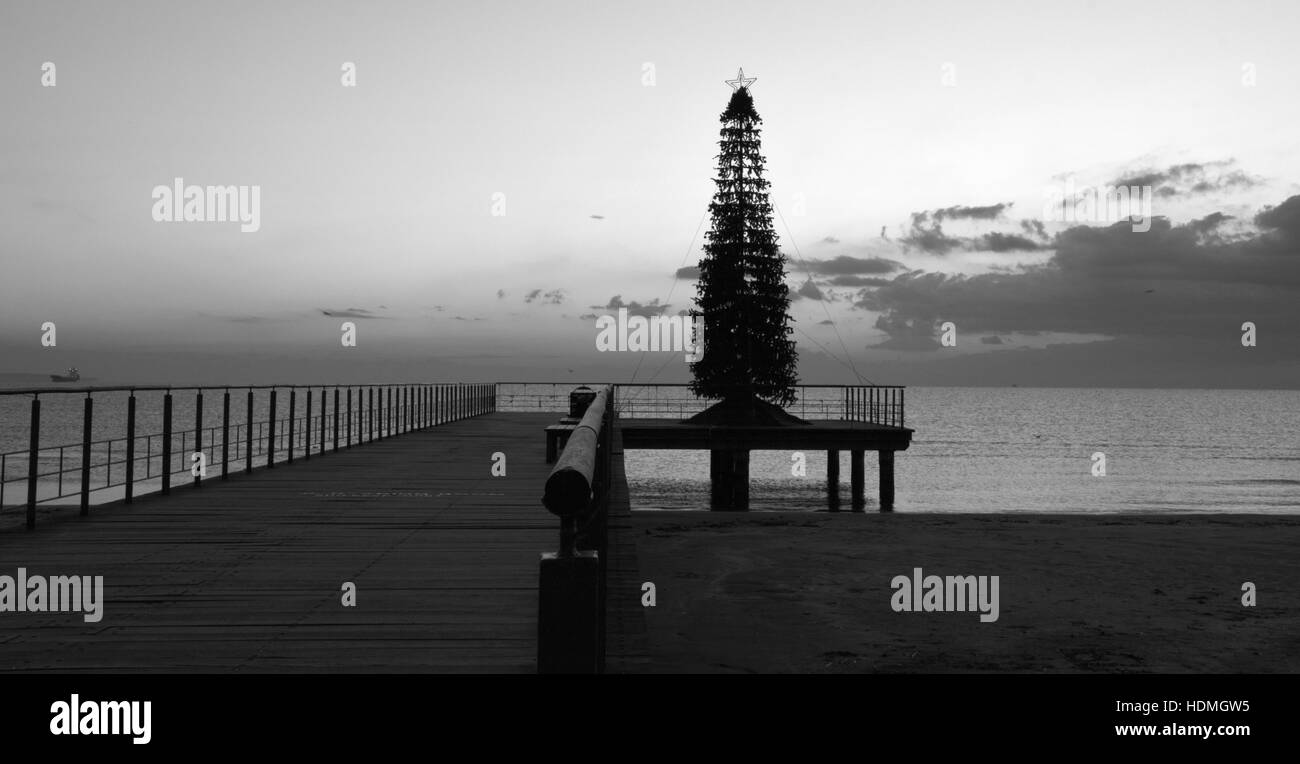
[426, 498]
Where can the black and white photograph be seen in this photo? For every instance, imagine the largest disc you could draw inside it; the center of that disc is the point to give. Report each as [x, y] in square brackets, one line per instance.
[944, 347]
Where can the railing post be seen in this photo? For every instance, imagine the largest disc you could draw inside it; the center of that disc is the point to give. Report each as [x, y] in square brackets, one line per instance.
[85, 454]
[293, 408]
[198, 433]
[130, 447]
[225, 435]
[348, 441]
[248, 436]
[322, 420]
[167, 444]
[306, 427]
[336, 419]
[902, 410]
[270, 437]
[33, 457]
[370, 414]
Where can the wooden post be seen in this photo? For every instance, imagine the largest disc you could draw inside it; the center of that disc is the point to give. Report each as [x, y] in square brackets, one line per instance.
[270, 436]
[336, 419]
[225, 435]
[323, 420]
[130, 447]
[370, 413]
[198, 433]
[348, 441]
[833, 479]
[167, 444]
[293, 401]
[306, 427]
[857, 476]
[886, 481]
[85, 454]
[33, 458]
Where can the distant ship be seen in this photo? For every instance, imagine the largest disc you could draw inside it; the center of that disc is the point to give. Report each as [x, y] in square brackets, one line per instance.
[72, 376]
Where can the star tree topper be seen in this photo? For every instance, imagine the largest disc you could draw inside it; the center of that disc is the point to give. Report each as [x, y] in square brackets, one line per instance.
[741, 81]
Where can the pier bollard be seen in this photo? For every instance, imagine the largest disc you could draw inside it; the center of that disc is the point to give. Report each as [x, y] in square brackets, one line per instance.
[568, 628]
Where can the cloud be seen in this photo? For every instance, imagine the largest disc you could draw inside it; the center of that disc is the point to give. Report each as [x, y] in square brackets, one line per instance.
[688, 272]
[501, 293]
[1006, 242]
[830, 240]
[991, 340]
[350, 313]
[846, 265]
[1190, 178]
[858, 281]
[1100, 279]
[989, 212]
[597, 217]
[553, 297]
[634, 308]
[809, 291]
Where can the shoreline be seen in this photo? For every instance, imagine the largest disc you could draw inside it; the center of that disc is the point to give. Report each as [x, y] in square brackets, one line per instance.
[802, 592]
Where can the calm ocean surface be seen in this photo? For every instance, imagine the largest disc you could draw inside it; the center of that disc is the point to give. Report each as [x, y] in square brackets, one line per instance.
[1029, 450]
[975, 450]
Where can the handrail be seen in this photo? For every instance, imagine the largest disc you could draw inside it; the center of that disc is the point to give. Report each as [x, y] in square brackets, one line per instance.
[571, 586]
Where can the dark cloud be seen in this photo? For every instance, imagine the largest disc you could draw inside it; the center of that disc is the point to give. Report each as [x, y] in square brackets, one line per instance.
[501, 293]
[553, 297]
[990, 212]
[830, 240]
[1102, 280]
[1191, 178]
[597, 217]
[349, 313]
[634, 308]
[688, 272]
[991, 340]
[846, 265]
[1006, 242]
[1284, 218]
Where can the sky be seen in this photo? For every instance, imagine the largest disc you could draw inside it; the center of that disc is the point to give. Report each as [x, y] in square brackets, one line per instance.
[503, 173]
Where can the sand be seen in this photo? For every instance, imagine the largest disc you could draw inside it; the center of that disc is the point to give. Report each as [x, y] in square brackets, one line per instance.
[810, 592]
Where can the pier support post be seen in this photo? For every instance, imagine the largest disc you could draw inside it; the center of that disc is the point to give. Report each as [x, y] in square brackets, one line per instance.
[729, 480]
[886, 481]
[857, 476]
[833, 479]
[130, 448]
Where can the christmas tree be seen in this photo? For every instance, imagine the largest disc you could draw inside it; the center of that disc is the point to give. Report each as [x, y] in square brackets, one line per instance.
[749, 361]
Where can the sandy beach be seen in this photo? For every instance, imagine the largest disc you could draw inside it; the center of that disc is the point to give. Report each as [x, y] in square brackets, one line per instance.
[810, 593]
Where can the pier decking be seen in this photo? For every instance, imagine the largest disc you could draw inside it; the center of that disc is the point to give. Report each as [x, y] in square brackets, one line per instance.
[245, 575]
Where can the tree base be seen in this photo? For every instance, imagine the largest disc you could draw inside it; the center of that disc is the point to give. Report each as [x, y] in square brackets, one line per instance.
[744, 411]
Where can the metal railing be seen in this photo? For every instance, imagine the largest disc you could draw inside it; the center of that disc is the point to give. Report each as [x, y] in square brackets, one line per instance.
[571, 588]
[871, 404]
[359, 414]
